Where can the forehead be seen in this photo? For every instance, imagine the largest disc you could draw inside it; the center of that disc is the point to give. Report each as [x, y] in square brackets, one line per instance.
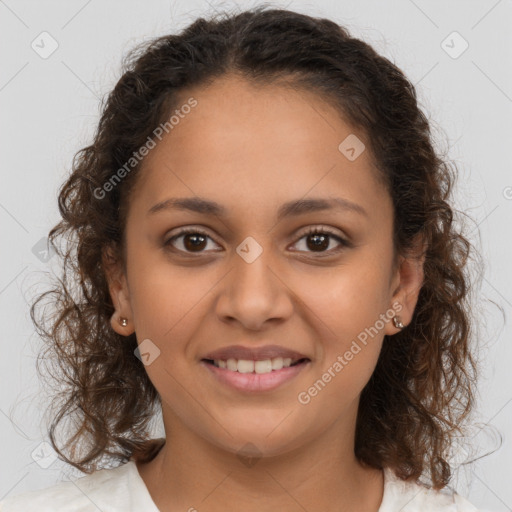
[245, 116]
[252, 143]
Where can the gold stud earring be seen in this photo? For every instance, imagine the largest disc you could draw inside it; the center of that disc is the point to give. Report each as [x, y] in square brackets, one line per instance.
[123, 322]
[397, 322]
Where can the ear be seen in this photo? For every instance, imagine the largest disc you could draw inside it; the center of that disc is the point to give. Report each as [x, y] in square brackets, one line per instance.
[119, 292]
[406, 283]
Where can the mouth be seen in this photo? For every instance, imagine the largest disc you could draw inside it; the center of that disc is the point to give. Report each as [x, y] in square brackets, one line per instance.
[256, 366]
[255, 376]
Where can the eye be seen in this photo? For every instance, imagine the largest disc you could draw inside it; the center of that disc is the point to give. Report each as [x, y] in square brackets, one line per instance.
[194, 240]
[320, 238]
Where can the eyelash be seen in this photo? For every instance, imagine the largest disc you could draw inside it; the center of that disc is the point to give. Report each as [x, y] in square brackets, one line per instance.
[317, 230]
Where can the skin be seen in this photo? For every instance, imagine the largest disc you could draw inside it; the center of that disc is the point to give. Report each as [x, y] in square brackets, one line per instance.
[251, 149]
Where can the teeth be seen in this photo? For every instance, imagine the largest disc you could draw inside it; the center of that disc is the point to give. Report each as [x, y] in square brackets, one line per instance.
[277, 363]
[263, 366]
[231, 364]
[245, 366]
[249, 366]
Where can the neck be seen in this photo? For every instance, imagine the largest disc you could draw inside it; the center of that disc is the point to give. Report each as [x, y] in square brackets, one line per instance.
[191, 473]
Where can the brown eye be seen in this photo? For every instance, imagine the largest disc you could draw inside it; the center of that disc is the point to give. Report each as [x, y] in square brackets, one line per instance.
[319, 239]
[193, 240]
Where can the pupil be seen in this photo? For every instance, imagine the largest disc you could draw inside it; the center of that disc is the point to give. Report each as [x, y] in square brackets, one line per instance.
[199, 239]
[322, 244]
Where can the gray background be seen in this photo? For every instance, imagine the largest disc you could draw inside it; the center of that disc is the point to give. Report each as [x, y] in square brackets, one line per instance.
[50, 108]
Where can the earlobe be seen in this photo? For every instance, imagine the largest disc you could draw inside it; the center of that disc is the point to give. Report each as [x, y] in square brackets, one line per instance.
[119, 293]
[397, 322]
[410, 281]
[121, 325]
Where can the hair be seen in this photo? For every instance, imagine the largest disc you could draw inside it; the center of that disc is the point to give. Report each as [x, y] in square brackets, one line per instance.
[422, 388]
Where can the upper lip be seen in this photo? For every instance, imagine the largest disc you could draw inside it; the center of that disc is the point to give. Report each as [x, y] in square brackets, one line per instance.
[254, 353]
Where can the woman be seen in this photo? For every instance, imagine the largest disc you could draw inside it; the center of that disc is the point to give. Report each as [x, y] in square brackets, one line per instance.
[265, 250]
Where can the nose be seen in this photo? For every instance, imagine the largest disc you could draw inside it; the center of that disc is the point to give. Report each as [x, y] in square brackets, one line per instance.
[253, 294]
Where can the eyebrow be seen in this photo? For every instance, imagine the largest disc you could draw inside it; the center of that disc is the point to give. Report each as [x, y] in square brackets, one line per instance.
[291, 208]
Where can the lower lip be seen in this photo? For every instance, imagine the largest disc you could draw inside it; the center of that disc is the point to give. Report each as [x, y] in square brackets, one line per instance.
[255, 382]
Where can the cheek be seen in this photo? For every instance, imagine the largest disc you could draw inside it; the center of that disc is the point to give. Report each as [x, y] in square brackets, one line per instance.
[347, 304]
[165, 298]
[347, 320]
[347, 298]
[168, 305]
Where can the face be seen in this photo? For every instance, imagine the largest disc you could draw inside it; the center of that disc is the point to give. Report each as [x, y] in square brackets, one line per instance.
[251, 277]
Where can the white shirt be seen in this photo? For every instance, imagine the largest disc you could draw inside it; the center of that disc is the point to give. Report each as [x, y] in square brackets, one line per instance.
[122, 489]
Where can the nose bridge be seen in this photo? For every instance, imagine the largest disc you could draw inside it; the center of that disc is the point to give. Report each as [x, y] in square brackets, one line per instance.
[252, 271]
[253, 293]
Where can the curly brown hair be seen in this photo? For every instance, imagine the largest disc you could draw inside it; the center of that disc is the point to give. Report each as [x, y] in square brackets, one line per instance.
[422, 388]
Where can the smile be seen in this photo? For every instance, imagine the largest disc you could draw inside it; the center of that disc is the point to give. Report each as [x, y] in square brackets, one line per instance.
[254, 376]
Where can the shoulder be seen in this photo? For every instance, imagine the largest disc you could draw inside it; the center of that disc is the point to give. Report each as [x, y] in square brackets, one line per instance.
[88, 493]
[415, 497]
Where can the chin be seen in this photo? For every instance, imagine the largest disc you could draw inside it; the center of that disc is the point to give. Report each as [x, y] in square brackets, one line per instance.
[249, 440]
